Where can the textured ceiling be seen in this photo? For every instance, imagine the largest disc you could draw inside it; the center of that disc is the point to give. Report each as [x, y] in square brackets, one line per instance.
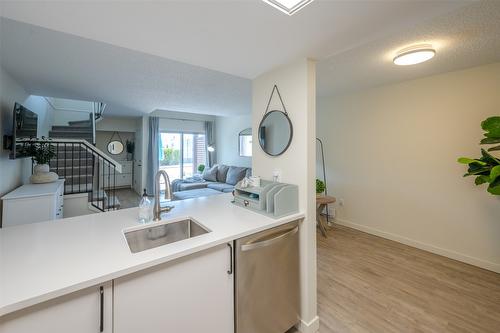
[239, 37]
[121, 53]
[50, 63]
[466, 37]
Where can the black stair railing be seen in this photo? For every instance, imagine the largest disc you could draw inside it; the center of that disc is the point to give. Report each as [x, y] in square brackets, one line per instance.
[84, 170]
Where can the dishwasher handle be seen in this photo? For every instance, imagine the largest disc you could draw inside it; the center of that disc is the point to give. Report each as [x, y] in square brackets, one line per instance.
[255, 244]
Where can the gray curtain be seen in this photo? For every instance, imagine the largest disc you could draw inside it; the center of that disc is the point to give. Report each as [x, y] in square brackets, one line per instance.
[153, 152]
[210, 137]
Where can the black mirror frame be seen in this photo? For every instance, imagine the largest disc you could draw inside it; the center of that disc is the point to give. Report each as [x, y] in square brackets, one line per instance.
[289, 139]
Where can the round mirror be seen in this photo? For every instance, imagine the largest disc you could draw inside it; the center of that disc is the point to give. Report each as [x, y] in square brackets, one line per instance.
[115, 147]
[275, 132]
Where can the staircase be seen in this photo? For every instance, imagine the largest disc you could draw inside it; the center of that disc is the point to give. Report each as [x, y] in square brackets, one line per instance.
[75, 164]
[80, 129]
[86, 170]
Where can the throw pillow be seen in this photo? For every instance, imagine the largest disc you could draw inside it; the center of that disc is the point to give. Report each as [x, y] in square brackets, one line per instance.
[210, 174]
[222, 173]
[235, 174]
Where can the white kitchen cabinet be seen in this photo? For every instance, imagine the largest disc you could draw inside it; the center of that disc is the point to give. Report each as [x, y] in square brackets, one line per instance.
[190, 295]
[32, 203]
[79, 312]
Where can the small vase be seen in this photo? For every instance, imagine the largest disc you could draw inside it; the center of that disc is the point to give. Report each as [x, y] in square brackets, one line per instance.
[41, 174]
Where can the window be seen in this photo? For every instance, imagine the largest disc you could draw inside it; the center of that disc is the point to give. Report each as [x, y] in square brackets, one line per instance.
[182, 153]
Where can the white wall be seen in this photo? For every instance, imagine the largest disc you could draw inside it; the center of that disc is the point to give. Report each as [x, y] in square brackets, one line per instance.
[227, 140]
[119, 124]
[10, 92]
[391, 155]
[16, 172]
[63, 117]
[297, 165]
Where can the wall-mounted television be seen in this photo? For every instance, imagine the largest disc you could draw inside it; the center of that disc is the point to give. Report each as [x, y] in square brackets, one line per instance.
[25, 125]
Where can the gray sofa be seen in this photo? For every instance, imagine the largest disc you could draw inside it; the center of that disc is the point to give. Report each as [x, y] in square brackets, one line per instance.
[220, 178]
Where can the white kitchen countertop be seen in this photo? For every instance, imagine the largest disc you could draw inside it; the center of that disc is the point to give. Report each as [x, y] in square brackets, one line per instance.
[42, 261]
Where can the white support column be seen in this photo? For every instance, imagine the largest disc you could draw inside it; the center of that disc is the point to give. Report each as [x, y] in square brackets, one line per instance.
[297, 85]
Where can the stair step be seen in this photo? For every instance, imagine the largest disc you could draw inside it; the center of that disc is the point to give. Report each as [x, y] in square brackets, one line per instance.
[76, 168]
[69, 189]
[70, 134]
[70, 162]
[68, 174]
[80, 123]
[71, 128]
[71, 154]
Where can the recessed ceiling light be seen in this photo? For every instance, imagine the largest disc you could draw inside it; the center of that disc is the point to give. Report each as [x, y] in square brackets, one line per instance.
[414, 55]
[289, 7]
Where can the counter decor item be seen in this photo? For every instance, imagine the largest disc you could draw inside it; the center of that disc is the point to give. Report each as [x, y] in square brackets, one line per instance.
[486, 169]
[41, 153]
[145, 209]
[270, 198]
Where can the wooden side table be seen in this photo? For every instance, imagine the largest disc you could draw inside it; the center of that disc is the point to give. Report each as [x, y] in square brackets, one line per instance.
[321, 203]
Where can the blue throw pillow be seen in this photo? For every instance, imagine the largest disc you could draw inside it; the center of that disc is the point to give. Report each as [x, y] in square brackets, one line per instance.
[210, 174]
[222, 173]
[235, 174]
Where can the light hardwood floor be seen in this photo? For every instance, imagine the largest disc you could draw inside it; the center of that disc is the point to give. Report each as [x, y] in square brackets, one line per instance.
[370, 284]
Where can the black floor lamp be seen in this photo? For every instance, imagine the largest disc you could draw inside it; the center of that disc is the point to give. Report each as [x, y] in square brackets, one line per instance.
[324, 175]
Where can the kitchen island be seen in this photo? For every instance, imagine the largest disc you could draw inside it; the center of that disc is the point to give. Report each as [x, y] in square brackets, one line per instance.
[44, 261]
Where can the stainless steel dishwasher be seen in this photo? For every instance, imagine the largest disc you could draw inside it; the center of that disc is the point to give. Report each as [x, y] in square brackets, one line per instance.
[267, 280]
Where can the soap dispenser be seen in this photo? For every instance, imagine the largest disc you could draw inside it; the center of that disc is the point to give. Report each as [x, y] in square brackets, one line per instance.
[145, 209]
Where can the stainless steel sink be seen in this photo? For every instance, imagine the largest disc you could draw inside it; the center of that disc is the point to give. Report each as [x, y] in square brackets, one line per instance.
[163, 233]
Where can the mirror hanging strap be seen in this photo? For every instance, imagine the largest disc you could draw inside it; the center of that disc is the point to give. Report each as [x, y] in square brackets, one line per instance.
[275, 88]
[112, 136]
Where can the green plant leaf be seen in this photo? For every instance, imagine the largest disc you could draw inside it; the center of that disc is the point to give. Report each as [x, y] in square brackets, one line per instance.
[492, 127]
[488, 158]
[495, 190]
[482, 179]
[466, 160]
[495, 172]
[489, 141]
[494, 148]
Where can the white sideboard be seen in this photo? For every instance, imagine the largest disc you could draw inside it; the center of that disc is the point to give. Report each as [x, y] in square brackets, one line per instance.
[31, 203]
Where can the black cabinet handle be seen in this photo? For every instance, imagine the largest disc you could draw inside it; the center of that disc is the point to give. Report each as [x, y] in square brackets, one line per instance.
[230, 271]
[101, 324]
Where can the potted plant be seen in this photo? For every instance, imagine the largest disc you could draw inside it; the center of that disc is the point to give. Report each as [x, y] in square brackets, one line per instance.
[130, 147]
[486, 169]
[320, 187]
[201, 168]
[41, 152]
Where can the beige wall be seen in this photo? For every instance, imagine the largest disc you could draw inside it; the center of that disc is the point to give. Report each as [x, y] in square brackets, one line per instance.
[297, 87]
[391, 155]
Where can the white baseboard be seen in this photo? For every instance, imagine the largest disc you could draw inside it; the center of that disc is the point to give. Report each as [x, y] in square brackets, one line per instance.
[491, 266]
[310, 327]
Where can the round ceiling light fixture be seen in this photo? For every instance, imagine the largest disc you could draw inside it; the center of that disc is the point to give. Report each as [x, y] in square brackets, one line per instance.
[414, 55]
